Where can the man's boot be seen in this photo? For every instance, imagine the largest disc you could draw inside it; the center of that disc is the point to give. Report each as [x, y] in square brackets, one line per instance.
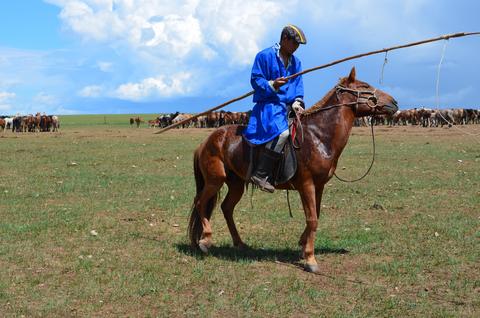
[264, 170]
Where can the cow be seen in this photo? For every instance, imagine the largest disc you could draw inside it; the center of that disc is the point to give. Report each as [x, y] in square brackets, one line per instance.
[444, 117]
[181, 117]
[8, 122]
[138, 121]
[166, 120]
[425, 115]
[470, 115]
[458, 116]
[45, 122]
[55, 123]
[153, 123]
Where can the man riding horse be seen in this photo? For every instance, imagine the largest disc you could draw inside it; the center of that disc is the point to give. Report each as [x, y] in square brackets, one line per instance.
[274, 95]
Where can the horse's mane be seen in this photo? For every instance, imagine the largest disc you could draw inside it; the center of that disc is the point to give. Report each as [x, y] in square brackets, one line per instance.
[323, 101]
[319, 104]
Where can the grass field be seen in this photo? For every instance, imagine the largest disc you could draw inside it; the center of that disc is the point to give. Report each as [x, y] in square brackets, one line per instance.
[93, 222]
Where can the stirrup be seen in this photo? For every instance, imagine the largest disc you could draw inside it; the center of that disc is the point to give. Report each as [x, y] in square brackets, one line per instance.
[263, 184]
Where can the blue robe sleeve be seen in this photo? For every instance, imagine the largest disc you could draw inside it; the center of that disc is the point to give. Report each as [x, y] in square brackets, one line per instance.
[260, 77]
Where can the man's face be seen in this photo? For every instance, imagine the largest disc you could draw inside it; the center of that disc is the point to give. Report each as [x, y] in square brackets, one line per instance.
[289, 46]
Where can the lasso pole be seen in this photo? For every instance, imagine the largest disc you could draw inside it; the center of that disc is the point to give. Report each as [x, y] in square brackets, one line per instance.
[443, 37]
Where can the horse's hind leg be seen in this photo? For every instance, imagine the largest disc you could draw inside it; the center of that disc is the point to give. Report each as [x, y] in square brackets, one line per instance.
[236, 187]
[205, 206]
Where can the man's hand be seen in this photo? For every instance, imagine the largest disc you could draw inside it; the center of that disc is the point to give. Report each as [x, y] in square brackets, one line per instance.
[279, 82]
[297, 107]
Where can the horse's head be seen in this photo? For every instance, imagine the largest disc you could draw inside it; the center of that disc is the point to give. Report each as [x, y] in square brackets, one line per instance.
[365, 99]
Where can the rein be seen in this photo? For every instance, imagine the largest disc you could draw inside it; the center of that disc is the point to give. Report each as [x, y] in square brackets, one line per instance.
[373, 98]
[371, 163]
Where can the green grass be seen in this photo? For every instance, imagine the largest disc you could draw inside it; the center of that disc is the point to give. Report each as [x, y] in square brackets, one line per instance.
[402, 242]
[106, 120]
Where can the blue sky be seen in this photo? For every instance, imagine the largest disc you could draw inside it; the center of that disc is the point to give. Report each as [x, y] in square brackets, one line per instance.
[160, 56]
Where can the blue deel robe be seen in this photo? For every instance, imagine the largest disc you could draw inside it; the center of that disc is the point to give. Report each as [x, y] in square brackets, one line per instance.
[268, 118]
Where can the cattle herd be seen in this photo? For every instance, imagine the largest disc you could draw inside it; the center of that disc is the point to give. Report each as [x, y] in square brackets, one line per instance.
[30, 123]
[424, 117]
[211, 120]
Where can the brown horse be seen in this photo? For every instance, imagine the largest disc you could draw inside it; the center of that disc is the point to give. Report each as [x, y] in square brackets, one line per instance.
[223, 158]
[138, 121]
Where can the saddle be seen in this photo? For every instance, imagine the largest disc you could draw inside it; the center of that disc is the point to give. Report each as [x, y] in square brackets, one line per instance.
[287, 166]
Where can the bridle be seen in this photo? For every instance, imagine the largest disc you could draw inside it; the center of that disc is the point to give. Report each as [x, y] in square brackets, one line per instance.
[366, 97]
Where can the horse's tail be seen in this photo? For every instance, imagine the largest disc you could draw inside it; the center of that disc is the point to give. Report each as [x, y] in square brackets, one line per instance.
[195, 227]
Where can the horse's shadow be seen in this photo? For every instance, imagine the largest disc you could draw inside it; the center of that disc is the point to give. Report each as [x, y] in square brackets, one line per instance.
[231, 253]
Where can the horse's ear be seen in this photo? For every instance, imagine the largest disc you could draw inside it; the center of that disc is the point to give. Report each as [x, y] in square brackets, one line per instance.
[351, 77]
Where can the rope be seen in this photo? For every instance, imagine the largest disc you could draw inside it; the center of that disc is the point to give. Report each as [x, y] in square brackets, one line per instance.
[437, 95]
[385, 61]
[439, 67]
[371, 163]
[443, 37]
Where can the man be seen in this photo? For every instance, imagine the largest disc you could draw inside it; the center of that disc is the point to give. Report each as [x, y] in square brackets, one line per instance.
[268, 123]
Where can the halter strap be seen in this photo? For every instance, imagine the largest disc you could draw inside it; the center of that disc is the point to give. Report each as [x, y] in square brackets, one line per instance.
[371, 99]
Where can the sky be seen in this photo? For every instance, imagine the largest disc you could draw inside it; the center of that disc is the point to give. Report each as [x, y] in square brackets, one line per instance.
[161, 56]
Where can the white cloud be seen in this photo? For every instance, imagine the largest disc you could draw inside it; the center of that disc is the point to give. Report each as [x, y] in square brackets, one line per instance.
[238, 27]
[5, 96]
[95, 20]
[136, 49]
[175, 29]
[91, 91]
[180, 34]
[154, 87]
[158, 44]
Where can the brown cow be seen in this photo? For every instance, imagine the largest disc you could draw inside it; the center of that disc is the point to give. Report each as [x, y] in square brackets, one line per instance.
[138, 121]
[153, 123]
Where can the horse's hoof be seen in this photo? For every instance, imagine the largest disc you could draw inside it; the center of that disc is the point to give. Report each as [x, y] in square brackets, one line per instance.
[203, 247]
[312, 268]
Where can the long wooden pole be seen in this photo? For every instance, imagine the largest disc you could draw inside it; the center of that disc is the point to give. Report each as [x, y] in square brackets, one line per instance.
[443, 37]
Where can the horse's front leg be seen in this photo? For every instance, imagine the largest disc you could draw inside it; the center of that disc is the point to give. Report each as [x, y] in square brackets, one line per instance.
[318, 202]
[307, 240]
